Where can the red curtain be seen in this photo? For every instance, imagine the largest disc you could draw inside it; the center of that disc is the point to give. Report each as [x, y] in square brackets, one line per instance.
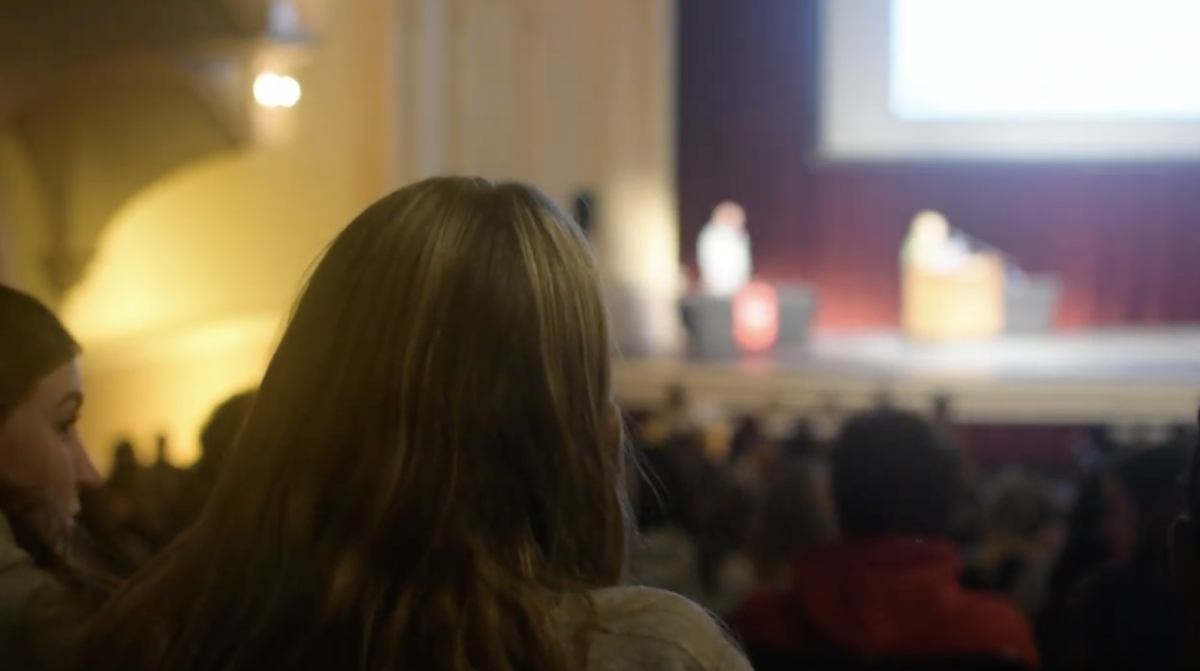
[1124, 238]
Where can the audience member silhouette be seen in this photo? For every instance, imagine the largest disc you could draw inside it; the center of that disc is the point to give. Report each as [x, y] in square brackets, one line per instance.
[217, 438]
[1082, 555]
[796, 515]
[666, 554]
[1019, 547]
[1185, 544]
[889, 592]
[1130, 615]
[114, 514]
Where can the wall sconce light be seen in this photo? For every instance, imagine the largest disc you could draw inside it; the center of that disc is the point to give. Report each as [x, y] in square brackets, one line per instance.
[275, 90]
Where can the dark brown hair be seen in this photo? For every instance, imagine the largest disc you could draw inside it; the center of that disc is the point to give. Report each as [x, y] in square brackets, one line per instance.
[430, 465]
[797, 513]
[33, 343]
[893, 473]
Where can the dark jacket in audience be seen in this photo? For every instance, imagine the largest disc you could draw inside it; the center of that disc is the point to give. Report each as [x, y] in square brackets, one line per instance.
[1132, 617]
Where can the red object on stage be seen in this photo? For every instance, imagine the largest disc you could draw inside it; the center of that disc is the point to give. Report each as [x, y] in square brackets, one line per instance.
[756, 317]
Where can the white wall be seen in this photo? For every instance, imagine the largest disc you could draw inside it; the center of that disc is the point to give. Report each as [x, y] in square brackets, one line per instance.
[564, 94]
[192, 278]
[23, 221]
[183, 300]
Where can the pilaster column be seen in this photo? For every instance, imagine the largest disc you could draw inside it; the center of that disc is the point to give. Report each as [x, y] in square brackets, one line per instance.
[564, 94]
[638, 230]
[423, 80]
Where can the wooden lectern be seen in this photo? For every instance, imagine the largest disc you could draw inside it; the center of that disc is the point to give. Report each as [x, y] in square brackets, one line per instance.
[966, 303]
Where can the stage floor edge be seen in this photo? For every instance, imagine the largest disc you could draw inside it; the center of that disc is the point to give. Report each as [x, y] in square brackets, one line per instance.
[1125, 376]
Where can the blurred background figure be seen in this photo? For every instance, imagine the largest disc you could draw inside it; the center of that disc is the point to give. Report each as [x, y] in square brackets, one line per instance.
[583, 209]
[723, 251]
[1021, 541]
[1129, 612]
[890, 590]
[797, 514]
[674, 481]
[216, 440]
[116, 513]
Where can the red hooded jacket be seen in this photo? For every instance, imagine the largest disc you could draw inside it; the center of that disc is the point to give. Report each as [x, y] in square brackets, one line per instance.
[888, 599]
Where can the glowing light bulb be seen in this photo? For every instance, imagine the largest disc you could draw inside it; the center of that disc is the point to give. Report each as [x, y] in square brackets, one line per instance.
[275, 90]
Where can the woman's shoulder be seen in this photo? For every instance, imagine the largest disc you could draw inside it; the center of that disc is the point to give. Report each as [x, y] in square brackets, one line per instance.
[10, 554]
[21, 581]
[18, 574]
[647, 628]
[26, 592]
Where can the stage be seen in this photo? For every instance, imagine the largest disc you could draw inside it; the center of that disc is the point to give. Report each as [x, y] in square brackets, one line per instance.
[1132, 376]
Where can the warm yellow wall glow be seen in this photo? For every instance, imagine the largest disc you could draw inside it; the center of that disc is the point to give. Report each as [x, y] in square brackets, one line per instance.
[209, 259]
[566, 94]
[23, 221]
[170, 384]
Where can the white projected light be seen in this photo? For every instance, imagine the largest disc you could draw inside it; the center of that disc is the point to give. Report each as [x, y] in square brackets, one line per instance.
[1018, 80]
[275, 90]
[1039, 59]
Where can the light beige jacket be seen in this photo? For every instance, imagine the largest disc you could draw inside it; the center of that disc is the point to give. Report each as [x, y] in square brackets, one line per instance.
[638, 628]
[25, 592]
[645, 629]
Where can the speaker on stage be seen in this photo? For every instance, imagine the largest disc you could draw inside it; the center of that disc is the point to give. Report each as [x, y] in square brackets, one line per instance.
[761, 318]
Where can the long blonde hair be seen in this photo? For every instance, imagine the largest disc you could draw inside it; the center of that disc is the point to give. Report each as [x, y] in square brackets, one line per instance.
[431, 464]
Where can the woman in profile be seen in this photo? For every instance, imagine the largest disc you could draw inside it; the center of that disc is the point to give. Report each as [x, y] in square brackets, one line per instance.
[431, 476]
[43, 467]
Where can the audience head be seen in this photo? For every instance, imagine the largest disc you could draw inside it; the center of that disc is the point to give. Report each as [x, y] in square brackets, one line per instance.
[162, 450]
[748, 438]
[1084, 550]
[222, 429]
[884, 399]
[583, 208]
[796, 513]
[1185, 532]
[677, 398]
[943, 409]
[1019, 507]
[124, 457]
[43, 463]
[431, 453]
[893, 473]
[217, 438]
[1141, 498]
[802, 442]
[671, 485]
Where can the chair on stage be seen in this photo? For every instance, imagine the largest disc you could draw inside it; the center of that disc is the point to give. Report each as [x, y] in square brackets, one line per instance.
[1031, 303]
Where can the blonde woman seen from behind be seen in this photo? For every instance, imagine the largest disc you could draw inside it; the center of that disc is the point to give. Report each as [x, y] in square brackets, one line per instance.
[431, 476]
